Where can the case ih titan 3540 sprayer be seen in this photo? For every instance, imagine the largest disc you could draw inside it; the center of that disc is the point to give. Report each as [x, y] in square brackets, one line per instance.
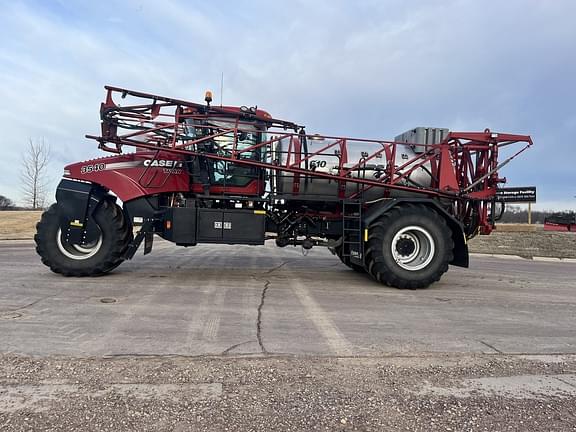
[399, 210]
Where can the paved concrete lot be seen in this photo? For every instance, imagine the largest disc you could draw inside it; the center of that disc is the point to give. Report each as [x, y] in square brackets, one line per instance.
[261, 338]
[250, 300]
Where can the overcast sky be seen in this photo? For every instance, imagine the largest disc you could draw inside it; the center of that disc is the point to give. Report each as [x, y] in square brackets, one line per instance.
[370, 69]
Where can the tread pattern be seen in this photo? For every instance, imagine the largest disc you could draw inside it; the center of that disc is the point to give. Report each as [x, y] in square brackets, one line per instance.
[116, 232]
[381, 266]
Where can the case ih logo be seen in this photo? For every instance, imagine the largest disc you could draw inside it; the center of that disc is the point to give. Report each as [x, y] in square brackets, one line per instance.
[163, 163]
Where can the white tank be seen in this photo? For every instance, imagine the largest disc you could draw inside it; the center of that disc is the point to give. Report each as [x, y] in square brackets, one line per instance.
[328, 161]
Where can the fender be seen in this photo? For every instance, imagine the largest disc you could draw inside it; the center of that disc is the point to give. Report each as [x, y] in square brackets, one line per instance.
[461, 254]
[77, 202]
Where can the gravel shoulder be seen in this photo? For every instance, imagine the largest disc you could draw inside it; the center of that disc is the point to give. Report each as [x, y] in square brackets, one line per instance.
[416, 393]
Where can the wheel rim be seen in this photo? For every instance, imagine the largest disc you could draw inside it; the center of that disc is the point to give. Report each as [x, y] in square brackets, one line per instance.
[78, 252]
[413, 248]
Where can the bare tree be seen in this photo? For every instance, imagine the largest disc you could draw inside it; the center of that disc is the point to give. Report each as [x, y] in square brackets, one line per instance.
[34, 175]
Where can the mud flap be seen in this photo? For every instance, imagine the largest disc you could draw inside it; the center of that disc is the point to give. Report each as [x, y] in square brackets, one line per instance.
[77, 202]
[145, 233]
[148, 241]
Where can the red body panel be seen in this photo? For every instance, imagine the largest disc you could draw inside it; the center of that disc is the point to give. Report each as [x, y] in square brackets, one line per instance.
[143, 173]
[254, 188]
[131, 176]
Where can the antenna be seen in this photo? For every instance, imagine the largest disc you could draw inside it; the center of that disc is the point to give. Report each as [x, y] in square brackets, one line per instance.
[221, 88]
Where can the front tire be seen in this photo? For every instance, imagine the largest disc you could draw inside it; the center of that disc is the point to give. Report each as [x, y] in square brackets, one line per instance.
[410, 247]
[101, 256]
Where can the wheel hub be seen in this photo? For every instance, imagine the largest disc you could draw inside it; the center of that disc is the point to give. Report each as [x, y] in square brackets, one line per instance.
[405, 246]
[413, 248]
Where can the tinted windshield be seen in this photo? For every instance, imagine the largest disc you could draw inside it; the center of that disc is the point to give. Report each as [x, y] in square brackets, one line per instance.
[248, 135]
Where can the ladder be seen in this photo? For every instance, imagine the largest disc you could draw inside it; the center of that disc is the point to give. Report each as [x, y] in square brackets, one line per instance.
[352, 242]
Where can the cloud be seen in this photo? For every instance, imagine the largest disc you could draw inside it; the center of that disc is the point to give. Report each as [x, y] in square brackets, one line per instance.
[368, 68]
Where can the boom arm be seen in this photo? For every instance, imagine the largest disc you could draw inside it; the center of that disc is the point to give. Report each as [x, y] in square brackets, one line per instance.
[463, 168]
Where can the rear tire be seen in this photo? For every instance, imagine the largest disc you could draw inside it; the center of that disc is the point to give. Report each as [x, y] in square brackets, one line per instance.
[102, 256]
[410, 247]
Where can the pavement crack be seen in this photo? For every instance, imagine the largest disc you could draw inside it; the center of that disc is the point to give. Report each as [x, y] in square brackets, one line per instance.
[34, 303]
[278, 267]
[233, 347]
[491, 347]
[259, 317]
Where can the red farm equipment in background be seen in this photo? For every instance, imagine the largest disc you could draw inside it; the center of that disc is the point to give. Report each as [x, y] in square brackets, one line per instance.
[562, 221]
[399, 210]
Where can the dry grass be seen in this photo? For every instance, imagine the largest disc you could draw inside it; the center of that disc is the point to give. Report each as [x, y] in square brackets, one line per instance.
[16, 225]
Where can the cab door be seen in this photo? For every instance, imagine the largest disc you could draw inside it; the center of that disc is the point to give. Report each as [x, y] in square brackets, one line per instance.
[226, 177]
